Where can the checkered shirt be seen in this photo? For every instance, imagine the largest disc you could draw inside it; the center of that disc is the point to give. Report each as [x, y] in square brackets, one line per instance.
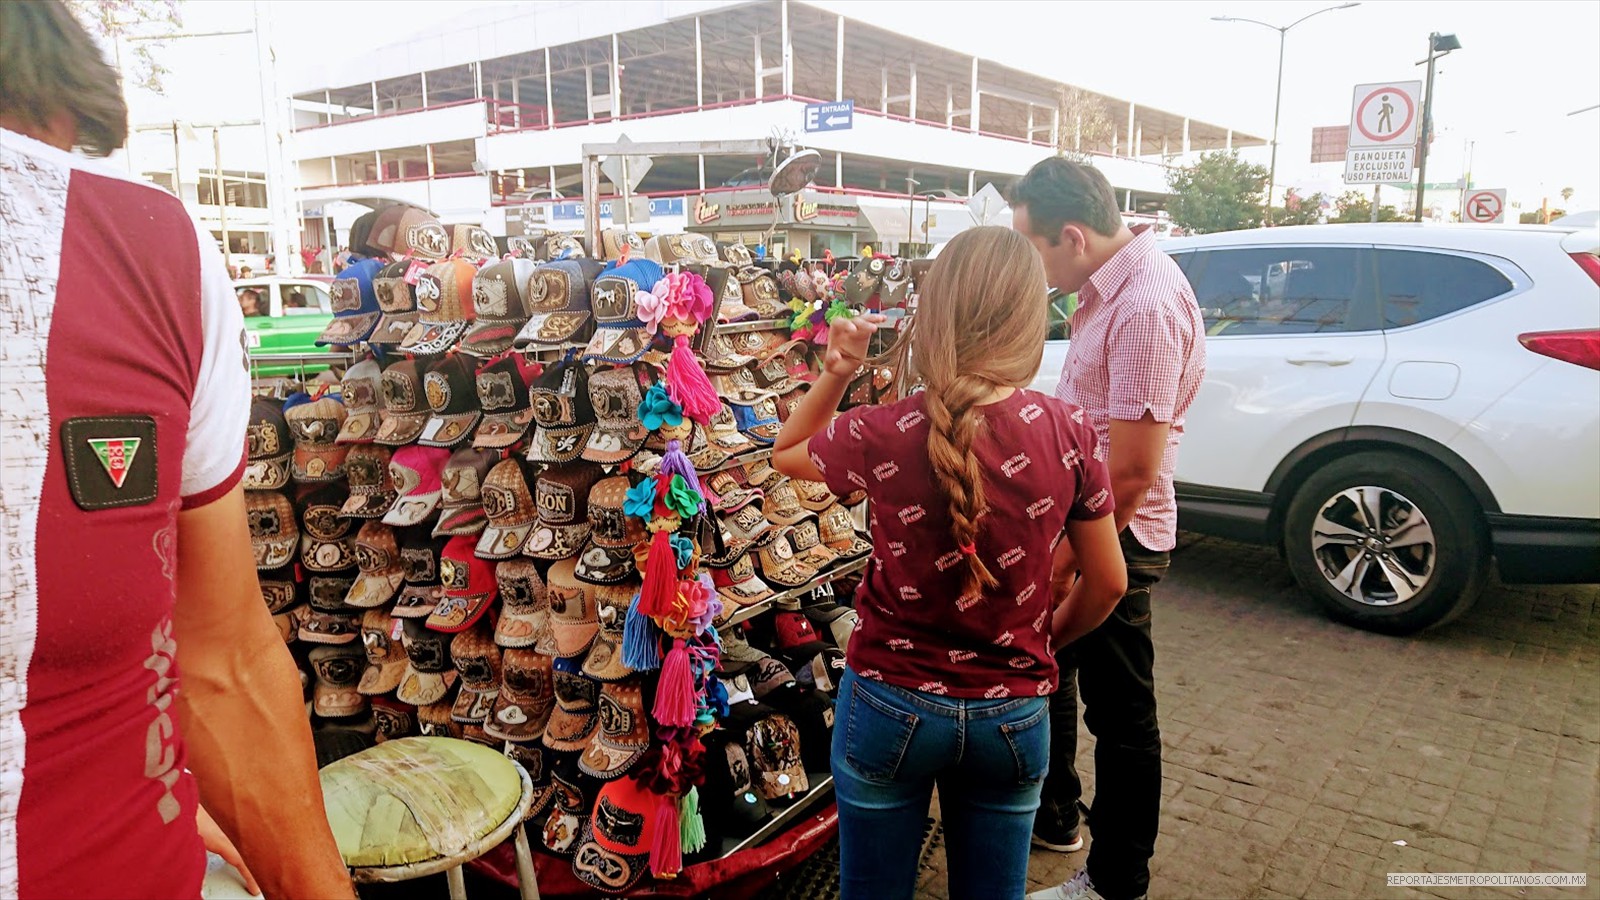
[1138, 346]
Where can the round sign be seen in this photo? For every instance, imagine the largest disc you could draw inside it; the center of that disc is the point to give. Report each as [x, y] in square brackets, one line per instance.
[1484, 206]
[1379, 118]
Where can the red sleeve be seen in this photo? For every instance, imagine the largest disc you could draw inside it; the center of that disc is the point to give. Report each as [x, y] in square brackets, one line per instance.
[839, 452]
[1092, 497]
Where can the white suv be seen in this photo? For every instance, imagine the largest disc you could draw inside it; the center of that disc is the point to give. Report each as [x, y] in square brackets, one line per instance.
[1393, 405]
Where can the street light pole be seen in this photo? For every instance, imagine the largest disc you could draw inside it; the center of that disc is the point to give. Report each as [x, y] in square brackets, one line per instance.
[1277, 103]
[1438, 45]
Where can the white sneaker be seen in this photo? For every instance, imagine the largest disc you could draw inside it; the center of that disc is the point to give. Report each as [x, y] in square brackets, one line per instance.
[1078, 888]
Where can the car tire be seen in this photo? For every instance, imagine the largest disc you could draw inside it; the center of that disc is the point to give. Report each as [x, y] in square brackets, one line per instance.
[1387, 542]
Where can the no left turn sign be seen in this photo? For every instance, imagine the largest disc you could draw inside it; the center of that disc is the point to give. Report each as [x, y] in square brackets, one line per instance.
[1485, 207]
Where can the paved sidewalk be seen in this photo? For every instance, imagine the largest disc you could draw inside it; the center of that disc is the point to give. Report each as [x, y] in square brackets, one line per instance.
[1298, 751]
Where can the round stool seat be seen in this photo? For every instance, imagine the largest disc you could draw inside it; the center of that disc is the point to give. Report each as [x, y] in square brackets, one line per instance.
[414, 801]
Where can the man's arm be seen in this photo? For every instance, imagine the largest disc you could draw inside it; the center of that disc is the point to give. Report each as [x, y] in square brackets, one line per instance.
[1135, 463]
[240, 711]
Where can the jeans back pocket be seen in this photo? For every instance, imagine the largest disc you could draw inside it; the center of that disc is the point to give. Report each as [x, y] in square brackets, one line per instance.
[877, 734]
[1029, 740]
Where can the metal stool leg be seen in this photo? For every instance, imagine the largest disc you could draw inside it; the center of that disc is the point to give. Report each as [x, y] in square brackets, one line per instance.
[527, 883]
[458, 886]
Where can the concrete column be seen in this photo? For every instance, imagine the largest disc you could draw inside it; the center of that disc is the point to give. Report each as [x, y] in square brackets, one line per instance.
[1127, 201]
[1138, 140]
[699, 75]
[973, 120]
[374, 98]
[913, 101]
[516, 102]
[1130, 126]
[700, 160]
[616, 77]
[755, 40]
[1230, 140]
[549, 97]
[424, 90]
[477, 73]
[1055, 127]
[972, 182]
[838, 60]
[1186, 136]
[378, 156]
[788, 51]
[883, 96]
[838, 170]
[949, 106]
[1165, 153]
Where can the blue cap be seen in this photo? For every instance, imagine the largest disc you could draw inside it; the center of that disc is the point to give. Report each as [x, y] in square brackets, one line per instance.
[355, 305]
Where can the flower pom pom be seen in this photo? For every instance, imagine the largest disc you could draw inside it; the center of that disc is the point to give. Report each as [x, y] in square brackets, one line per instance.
[652, 304]
[682, 499]
[657, 409]
[640, 502]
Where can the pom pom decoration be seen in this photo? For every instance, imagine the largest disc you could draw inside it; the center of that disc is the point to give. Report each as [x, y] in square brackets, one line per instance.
[688, 384]
[657, 410]
[691, 830]
[666, 851]
[675, 465]
[640, 502]
[683, 499]
[641, 641]
[689, 302]
[675, 703]
[660, 590]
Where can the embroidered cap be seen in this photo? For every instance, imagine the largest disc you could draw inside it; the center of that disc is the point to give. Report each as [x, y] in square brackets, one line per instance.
[273, 533]
[524, 608]
[405, 406]
[838, 530]
[338, 670]
[607, 558]
[444, 307]
[416, 473]
[314, 425]
[558, 292]
[386, 659]
[774, 747]
[618, 433]
[469, 587]
[461, 493]
[508, 504]
[451, 389]
[604, 662]
[503, 396]
[522, 707]
[355, 306]
[359, 390]
[575, 718]
[613, 850]
[268, 447]
[397, 301]
[378, 558]
[560, 496]
[372, 489]
[565, 416]
[624, 733]
[477, 659]
[419, 559]
[574, 619]
[429, 676]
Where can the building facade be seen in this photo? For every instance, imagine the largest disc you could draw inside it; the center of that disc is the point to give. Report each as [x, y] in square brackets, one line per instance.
[485, 122]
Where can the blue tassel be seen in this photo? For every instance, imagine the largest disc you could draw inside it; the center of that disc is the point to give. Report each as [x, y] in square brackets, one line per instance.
[641, 641]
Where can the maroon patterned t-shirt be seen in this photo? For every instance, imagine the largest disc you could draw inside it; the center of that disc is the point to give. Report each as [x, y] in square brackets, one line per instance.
[915, 632]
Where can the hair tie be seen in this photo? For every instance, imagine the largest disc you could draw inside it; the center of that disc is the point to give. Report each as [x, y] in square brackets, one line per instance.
[968, 549]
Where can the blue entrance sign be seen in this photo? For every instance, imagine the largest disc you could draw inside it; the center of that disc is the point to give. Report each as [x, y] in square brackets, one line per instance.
[830, 116]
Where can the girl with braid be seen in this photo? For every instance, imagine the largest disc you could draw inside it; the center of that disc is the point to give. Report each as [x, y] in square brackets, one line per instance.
[984, 497]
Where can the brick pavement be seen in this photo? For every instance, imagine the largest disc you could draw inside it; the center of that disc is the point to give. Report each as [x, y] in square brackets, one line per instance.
[1298, 750]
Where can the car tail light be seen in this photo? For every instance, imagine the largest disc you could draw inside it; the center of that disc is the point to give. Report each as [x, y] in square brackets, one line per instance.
[1589, 263]
[1581, 347]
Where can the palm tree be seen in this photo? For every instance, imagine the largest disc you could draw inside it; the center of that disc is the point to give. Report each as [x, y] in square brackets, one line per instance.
[1566, 195]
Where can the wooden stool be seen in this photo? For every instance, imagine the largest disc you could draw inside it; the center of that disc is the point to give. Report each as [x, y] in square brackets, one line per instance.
[422, 805]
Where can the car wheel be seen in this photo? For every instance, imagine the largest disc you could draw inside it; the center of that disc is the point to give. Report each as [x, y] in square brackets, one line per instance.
[1386, 542]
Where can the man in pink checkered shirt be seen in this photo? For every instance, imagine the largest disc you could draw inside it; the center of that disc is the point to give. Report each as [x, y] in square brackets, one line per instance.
[1136, 361]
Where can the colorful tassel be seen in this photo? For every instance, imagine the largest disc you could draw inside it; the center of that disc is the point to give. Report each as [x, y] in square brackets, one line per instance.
[676, 463]
[691, 829]
[666, 851]
[675, 693]
[660, 577]
[688, 385]
[641, 641]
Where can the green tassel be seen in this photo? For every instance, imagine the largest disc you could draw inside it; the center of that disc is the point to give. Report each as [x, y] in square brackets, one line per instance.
[691, 831]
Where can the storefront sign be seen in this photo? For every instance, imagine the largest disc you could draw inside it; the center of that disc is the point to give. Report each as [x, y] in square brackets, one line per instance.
[810, 208]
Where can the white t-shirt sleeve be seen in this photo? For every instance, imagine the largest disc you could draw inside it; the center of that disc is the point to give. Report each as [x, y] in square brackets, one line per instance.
[214, 453]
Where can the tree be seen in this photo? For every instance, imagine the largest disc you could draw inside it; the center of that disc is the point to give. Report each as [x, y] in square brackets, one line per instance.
[1566, 194]
[112, 21]
[1298, 210]
[1085, 125]
[1538, 217]
[1220, 192]
[1355, 206]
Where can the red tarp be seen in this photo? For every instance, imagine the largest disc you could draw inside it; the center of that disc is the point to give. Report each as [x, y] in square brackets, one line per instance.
[744, 874]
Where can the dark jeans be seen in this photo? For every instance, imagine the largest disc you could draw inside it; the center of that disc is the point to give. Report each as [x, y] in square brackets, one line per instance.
[1114, 668]
[891, 746]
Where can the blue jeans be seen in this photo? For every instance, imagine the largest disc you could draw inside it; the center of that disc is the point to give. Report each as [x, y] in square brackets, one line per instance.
[988, 758]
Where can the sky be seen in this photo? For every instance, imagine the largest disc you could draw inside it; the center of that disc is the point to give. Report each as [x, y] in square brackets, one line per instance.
[1504, 97]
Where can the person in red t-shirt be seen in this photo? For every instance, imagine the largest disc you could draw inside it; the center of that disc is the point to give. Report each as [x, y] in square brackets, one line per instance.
[140, 672]
[972, 483]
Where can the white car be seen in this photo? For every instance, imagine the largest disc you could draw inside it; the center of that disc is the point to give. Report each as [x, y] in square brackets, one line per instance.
[1394, 405]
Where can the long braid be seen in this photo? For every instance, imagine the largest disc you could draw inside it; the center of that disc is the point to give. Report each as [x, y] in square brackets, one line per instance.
[954, 422]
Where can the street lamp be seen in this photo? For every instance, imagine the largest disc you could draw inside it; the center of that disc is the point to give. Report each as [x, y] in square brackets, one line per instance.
[1438, 45]
[1277, 104]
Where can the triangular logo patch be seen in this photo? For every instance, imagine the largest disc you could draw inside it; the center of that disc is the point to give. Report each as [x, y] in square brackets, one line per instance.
[116, 456]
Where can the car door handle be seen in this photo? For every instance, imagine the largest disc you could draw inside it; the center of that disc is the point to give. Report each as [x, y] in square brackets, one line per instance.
[1320, 358]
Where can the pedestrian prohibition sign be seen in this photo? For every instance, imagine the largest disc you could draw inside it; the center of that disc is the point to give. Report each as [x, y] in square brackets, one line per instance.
[1485, 207]
[1385, 114]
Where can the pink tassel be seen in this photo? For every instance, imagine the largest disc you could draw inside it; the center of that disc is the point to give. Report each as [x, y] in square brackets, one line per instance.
[666, 851]
[688, 385]
[660, 587]
[675, 706]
